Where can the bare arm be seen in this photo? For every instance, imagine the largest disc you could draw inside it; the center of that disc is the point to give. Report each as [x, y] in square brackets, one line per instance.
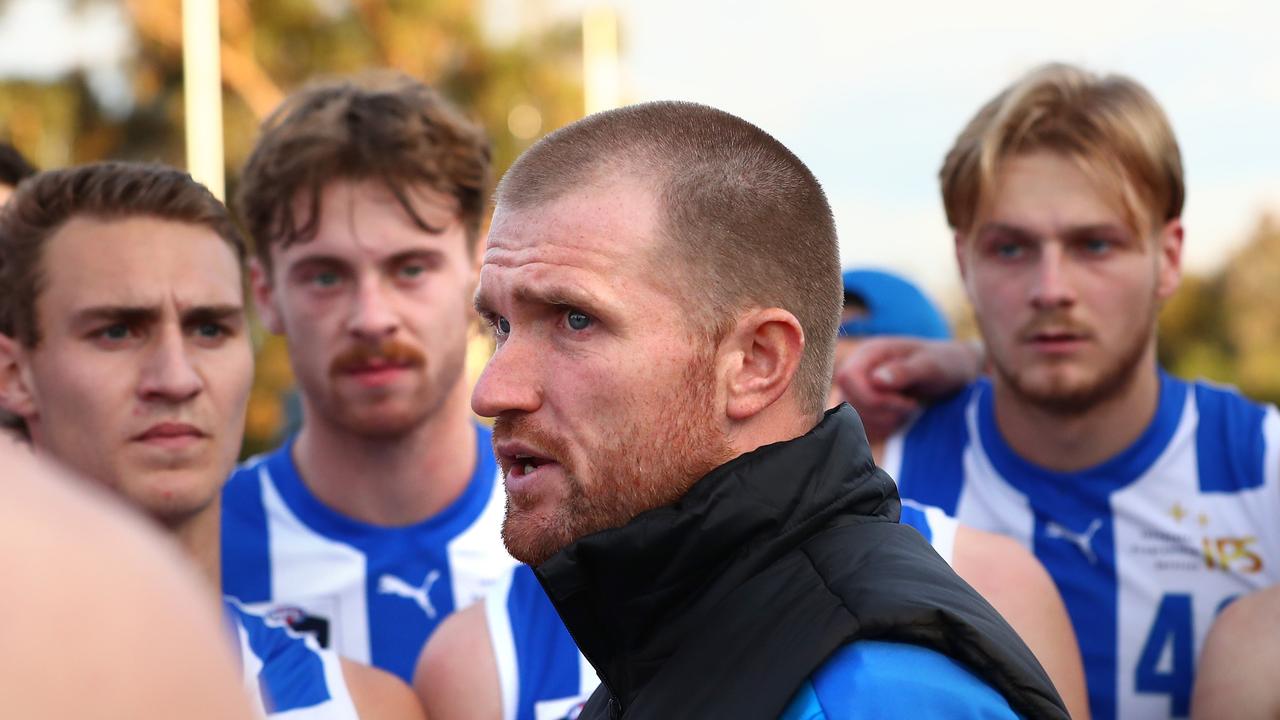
[1017, 585]
[379, 695]
[886, 379]
[457, 675]
[1240, 665]
[101, 617]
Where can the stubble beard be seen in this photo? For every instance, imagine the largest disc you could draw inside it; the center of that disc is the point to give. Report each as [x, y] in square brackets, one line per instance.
[646, 463]
[1074, 399]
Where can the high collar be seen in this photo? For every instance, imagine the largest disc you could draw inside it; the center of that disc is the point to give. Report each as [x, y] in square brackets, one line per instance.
[626, 594]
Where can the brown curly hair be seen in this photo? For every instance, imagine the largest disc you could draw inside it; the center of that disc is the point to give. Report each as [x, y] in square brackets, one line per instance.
[380, 125]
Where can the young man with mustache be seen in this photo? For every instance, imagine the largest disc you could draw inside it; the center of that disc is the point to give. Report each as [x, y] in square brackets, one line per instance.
[381, 515]
[663, 283]
[1151, 501]
[124, 350]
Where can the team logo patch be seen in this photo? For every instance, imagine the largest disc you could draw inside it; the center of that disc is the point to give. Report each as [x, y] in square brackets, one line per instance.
[299, 621]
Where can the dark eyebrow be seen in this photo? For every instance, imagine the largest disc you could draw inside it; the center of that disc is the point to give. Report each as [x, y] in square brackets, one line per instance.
[213, 313]
[127, 314]
[431, 255]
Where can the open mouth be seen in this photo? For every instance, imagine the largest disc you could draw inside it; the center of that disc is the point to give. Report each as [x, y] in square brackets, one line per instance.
[522, 464]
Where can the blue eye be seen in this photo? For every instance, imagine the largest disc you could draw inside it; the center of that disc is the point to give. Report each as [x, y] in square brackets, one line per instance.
[325, 279]
[578, 320]
[1008, 250]
[119, 331]
[412, 271]
[210, 330]
[503, 326]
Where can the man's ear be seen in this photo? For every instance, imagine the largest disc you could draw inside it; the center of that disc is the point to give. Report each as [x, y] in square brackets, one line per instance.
[1169, 246]
[264, 298]
[764, 350]
[16, 392]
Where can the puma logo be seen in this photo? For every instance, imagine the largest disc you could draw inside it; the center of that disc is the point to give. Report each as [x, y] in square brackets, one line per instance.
[1083, 540]
[389, 584]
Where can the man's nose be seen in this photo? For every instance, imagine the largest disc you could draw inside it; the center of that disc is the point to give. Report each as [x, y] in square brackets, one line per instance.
[373, 317]
[509, 382]
[169, 373]
[1052, 287]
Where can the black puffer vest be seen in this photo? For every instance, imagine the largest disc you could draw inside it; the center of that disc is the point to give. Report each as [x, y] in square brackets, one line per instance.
[721, 605]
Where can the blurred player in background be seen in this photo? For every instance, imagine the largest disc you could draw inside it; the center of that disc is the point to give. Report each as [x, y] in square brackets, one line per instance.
[1151, 501]
[381, 515]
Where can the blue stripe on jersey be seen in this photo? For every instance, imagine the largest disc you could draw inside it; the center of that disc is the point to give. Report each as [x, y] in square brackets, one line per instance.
[249, 577]
[1230, 446]
[932, 470]
[915, 517]
[546, 656]
[398, 627]
[292, 675]
[875, 680]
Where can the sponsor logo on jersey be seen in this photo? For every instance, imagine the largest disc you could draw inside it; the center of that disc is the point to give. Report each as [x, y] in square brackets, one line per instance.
[389, 584]
[1082, 540]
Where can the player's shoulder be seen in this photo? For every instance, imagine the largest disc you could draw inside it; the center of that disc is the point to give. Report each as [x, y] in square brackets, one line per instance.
[937, 686]
[1235, 437]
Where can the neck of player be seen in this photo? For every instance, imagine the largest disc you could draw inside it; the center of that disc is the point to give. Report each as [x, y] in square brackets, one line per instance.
[390, 481]
[1068, 443]
[200, 537]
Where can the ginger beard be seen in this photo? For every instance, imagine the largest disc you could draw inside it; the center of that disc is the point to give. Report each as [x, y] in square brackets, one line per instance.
[649, 459]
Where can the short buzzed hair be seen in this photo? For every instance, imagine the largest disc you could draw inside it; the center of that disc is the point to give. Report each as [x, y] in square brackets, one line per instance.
[748, 223]
[1109, 125]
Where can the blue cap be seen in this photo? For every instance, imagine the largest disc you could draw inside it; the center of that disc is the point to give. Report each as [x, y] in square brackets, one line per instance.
[894, 307]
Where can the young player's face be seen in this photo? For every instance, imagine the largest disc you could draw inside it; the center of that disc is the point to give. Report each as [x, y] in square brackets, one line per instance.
[375, 309]
[141, 376]
[1065, 293]
[605, 400]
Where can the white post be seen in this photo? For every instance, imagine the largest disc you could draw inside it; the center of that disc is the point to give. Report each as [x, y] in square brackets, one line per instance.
[202, 93]
[600, 83]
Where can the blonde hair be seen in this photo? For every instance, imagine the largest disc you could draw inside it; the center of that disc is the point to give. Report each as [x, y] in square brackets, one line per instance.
[1109, 125]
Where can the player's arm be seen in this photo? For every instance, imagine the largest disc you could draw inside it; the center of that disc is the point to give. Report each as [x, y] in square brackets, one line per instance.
[457, 675]
[379, 695]
[100, 615]
[887, 379]
[1019, 588]
[1238, 677]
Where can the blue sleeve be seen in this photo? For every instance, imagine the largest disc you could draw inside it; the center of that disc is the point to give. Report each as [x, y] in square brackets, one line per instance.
[873, 680]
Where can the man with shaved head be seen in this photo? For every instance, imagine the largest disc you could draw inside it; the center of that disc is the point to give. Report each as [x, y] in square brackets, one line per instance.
[663, 283]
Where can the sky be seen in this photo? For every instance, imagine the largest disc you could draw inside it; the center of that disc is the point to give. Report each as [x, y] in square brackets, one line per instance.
[871, 94]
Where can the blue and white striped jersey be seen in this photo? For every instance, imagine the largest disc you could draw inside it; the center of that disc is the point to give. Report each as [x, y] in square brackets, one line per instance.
[286, 674]
[374, 594]
[541, 672]
[1145, 548]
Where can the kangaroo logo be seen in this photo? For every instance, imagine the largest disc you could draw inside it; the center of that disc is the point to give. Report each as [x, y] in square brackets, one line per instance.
[1083, 540]
[389, 584]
